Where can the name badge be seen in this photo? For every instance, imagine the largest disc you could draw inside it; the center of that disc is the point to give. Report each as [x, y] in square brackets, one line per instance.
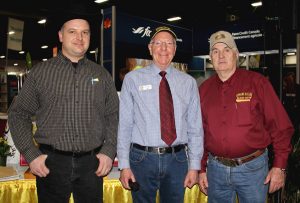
[145, 87]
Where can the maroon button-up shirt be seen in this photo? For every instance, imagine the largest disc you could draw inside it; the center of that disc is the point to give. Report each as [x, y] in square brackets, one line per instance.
[242, 115]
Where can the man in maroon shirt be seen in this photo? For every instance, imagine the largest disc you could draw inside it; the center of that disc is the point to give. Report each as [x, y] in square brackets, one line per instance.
[242, 116]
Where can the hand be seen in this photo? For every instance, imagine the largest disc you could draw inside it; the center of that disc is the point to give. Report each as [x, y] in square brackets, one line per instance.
[203, 183]
[125, 175]
[276, 178]
[105, 165]
[38, 166]
[191, 178]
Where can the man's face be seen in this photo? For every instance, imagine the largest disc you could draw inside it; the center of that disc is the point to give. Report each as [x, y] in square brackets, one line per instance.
[75, 39]
[223, 58]
[162, 48]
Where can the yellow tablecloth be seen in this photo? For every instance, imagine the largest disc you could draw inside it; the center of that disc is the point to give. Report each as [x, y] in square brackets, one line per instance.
[24, 191]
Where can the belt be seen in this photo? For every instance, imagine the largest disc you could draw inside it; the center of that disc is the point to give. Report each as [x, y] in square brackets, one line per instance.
[238, 161]
[69, 153]
[159, 150]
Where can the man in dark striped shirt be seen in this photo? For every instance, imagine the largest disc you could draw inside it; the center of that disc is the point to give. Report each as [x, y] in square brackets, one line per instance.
[75, 103]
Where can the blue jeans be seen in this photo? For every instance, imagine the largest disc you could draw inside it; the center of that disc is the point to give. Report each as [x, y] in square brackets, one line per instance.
[68, 175]
[163, 172]
[245, 181]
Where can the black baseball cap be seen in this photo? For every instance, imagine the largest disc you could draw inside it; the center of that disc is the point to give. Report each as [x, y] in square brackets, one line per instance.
[77, 11]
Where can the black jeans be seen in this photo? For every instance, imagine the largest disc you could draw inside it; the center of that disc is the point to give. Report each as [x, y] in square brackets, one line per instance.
[68, 175]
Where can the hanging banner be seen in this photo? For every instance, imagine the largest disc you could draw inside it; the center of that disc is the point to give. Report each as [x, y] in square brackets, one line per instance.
[15, 34]
[135, 30]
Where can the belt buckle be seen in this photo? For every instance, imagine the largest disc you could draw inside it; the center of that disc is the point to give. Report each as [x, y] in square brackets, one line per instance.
[228, 162]
[75, 153]
[161, 150]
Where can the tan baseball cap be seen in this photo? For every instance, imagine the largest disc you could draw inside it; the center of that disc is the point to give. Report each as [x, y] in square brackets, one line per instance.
[163, 29]
[222, 37]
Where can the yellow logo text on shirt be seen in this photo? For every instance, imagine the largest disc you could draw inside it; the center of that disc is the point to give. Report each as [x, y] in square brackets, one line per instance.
[243, 97]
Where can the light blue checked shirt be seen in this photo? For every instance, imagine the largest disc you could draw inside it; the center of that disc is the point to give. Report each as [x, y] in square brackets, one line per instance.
[139, 118]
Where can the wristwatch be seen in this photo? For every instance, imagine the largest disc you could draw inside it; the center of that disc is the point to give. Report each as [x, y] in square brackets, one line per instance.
[283, 170]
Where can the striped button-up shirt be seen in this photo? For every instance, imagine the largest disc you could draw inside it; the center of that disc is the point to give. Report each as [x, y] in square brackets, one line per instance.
[140, 114]
[76, 109]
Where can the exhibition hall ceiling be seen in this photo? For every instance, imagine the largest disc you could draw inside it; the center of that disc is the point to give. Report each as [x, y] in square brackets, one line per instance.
[194, 14]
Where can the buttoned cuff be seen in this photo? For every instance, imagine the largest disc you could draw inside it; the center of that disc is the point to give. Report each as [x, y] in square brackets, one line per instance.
[31, 154]
[123, 163]
[194, 165]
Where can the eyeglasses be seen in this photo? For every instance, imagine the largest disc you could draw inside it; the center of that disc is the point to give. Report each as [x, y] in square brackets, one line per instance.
[160, 43]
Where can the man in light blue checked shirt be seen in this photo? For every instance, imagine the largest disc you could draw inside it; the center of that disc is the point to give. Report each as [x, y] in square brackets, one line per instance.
[143, 156]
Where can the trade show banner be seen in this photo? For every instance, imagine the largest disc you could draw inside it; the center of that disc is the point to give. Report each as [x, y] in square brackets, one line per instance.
[136, 30]
[248, 37]
[15, 34]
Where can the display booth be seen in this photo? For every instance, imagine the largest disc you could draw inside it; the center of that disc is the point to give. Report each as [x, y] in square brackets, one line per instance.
[126, 39]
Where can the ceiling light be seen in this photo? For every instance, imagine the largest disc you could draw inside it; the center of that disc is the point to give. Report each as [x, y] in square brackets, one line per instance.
[100, 1]
[15, 64]
[11, 32]
[174, 19]
[291, 53]
[256, 4]
[42, 21]
[92, 52]
[44, 47]
[21, 52]
[45, 59]
[2, 57]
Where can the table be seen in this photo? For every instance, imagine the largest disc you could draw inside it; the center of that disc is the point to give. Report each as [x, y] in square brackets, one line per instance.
[24, 191]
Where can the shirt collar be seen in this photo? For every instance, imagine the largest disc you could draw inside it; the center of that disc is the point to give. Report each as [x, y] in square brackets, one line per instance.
[230, 80]
[67, 60]
[156, 70]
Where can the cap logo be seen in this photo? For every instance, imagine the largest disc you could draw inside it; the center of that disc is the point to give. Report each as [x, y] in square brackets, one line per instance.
[220, 36]
[162, 28]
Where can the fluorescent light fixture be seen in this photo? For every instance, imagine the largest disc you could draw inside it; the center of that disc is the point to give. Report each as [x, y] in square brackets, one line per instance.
[16, 64]
[11, 73]
[291, 53]
[45, 59]
[11, 32]
[92, 51]
[44, 47]
[2, 57]
[100, 1]
[42, 21]
[256, 4]
[174, 18]
[21, 52]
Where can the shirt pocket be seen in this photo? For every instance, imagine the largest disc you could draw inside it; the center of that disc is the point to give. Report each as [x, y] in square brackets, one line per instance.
[95, 94]
[243, 112]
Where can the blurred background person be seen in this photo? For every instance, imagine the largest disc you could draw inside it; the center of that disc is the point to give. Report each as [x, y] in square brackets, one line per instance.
[291, 98]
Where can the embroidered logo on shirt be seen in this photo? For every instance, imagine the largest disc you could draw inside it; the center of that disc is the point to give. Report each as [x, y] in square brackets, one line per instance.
[243, 97]
[145, 87]
[95, 80]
